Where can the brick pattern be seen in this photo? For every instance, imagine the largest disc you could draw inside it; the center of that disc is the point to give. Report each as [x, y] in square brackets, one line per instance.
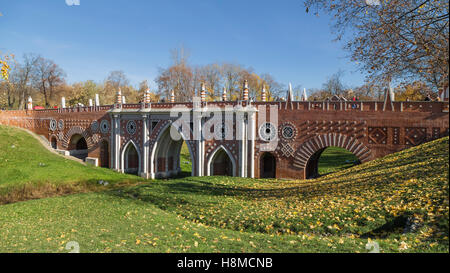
[364, 128]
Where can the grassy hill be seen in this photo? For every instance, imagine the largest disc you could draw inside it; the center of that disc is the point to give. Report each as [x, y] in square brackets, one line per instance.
[29, 170]
[400, 201]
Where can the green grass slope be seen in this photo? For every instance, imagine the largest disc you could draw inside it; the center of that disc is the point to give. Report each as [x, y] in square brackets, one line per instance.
[26, 164]
[401, 202]
[385, 199]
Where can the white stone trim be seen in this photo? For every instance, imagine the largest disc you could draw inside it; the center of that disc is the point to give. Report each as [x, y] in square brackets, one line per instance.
[213, 154]
[122, 157]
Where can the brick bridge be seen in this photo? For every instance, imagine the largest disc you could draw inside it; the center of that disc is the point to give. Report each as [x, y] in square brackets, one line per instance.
[250, 139]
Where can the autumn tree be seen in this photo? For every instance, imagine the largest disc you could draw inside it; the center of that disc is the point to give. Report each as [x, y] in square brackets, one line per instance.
[83, 91]
[47, 77]
[179, 77]
[21, 78]
[334, 84]
[5, 67]
[393, 39]
[415, 91]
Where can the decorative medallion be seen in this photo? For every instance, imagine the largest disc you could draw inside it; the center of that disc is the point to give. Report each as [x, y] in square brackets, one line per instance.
[267, 132]
[288, 131]
[53, 125]
[104, 126]
[131, 127]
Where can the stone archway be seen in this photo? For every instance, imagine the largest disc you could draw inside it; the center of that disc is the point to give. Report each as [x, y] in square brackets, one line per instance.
[131, 159]
[308, 154]
[54, 142]
[268, 166]
[104, 154]
[78, 146]
[221, 162]
[166, 151]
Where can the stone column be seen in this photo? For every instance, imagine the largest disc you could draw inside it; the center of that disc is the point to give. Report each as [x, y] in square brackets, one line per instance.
[145, 143]
[252, 137]
[116, 143]
[198, 140]
[241, 136]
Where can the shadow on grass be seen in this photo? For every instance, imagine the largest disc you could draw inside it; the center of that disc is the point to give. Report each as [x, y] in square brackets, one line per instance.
[38, 190]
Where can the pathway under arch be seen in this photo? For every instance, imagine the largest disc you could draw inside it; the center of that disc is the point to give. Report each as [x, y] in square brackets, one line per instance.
[165, 156]
[308, 154]
[78, 146]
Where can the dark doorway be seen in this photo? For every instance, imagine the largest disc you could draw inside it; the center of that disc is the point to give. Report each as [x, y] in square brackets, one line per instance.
[131, 160]
[268, 166]
[81, 144]
[104, 154]
[54, 143]
[78, 147]
[221, 164]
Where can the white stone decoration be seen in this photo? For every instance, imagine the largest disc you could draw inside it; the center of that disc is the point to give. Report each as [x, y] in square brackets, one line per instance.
[267, 132]
[53, 125]
[104, 126]
[288, 131]
[287, 150]
[61, 124]
[131, 127]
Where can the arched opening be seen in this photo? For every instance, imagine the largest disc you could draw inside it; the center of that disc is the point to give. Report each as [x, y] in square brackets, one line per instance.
[172, 157]
[221, 163]
[78, 147]
[131, 160]
[329, 160]
[54, 143]
[104, 154]
[268, 166]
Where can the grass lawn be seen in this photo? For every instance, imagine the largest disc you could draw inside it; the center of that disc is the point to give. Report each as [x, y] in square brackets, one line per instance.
[335, 159]
[26, 164]
[400, 201]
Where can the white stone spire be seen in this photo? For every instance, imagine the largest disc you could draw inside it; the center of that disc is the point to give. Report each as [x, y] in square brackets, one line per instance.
[304, 96]
[290, 95]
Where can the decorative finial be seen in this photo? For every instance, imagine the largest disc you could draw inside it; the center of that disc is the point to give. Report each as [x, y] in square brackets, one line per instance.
[290, 96]
[172, 96]
[304, 96]
[97, 100]
[224, 94]
[30, 103]
[63, 102]
[263, 94]
[119, 96]
[147, 96]
[245, 91]
[202, 92]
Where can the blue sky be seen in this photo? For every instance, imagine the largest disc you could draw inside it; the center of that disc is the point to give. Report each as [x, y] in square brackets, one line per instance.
[98, 36]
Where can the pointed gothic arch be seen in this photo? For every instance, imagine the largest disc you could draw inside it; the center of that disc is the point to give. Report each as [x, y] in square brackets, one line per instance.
[165, 153]
[131, 158]
[221, 162]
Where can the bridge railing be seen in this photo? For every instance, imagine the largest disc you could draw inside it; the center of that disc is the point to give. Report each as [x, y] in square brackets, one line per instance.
[371, 106]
